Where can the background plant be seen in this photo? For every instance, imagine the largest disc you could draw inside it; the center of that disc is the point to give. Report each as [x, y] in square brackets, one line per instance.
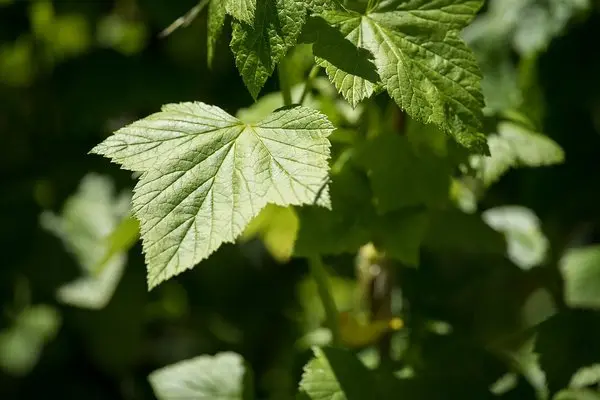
[362, 208]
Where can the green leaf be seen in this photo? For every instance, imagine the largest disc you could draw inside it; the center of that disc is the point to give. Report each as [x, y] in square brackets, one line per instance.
[345, 227]
[336, 374]
[94, 228]
[580, 269]
[586, 376]
[206, 174]
[426, 68]
[529, 25]
[401, 233]
[527, 246]
[402, 177]
[573, 394]
[277, 227]
[516, 146]
[219, 377]
[339, 49]
[215, 23]
[259, 47]
[21, 344]
[454, 231]
[242, 10]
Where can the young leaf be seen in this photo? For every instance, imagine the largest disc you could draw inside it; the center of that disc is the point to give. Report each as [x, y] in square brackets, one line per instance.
[337, 374]
[215, 23]
[242, 10]
[515, 146]
[259, 47]
[206, 174]
[426, 68]
[580, 269]
[219, 377]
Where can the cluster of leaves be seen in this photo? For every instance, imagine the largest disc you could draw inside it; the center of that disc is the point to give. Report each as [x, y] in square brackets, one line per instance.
[401, 161]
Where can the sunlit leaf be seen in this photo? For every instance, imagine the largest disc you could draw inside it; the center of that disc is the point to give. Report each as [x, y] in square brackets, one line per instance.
[219, 377]
[527, 245]
[207, 174]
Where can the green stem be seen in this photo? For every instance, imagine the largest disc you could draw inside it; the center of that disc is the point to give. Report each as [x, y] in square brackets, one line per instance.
[308, 85]
[284, 83]
[321, 279]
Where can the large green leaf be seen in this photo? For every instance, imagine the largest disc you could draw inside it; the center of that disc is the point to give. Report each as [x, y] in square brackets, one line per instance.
[206, 174]
[336, 374]
[219, 377]
[259, 47]
[580, 268]
[94, 228]
[426, 68]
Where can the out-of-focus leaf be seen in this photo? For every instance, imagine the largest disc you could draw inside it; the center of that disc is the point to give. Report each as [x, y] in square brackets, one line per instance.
[526, 244]
[577, 394]
[454, 231]
[516, 146]
[127, 37]
[586, 376]
[277, 227]
[402, 177]
[94, 228]
[219, 377]
[580, 268]
[22, 343]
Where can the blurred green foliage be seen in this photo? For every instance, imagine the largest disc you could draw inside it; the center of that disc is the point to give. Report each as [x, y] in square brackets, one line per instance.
[72, 72]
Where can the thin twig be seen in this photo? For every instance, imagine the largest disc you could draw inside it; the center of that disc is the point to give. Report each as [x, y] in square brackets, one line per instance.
[308, 85]
[184, 20]
[319, 274]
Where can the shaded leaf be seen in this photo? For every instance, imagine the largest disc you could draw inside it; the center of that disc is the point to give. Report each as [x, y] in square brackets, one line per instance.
[339, 49]
[259, 47]
[215, 23]
[401, 177]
